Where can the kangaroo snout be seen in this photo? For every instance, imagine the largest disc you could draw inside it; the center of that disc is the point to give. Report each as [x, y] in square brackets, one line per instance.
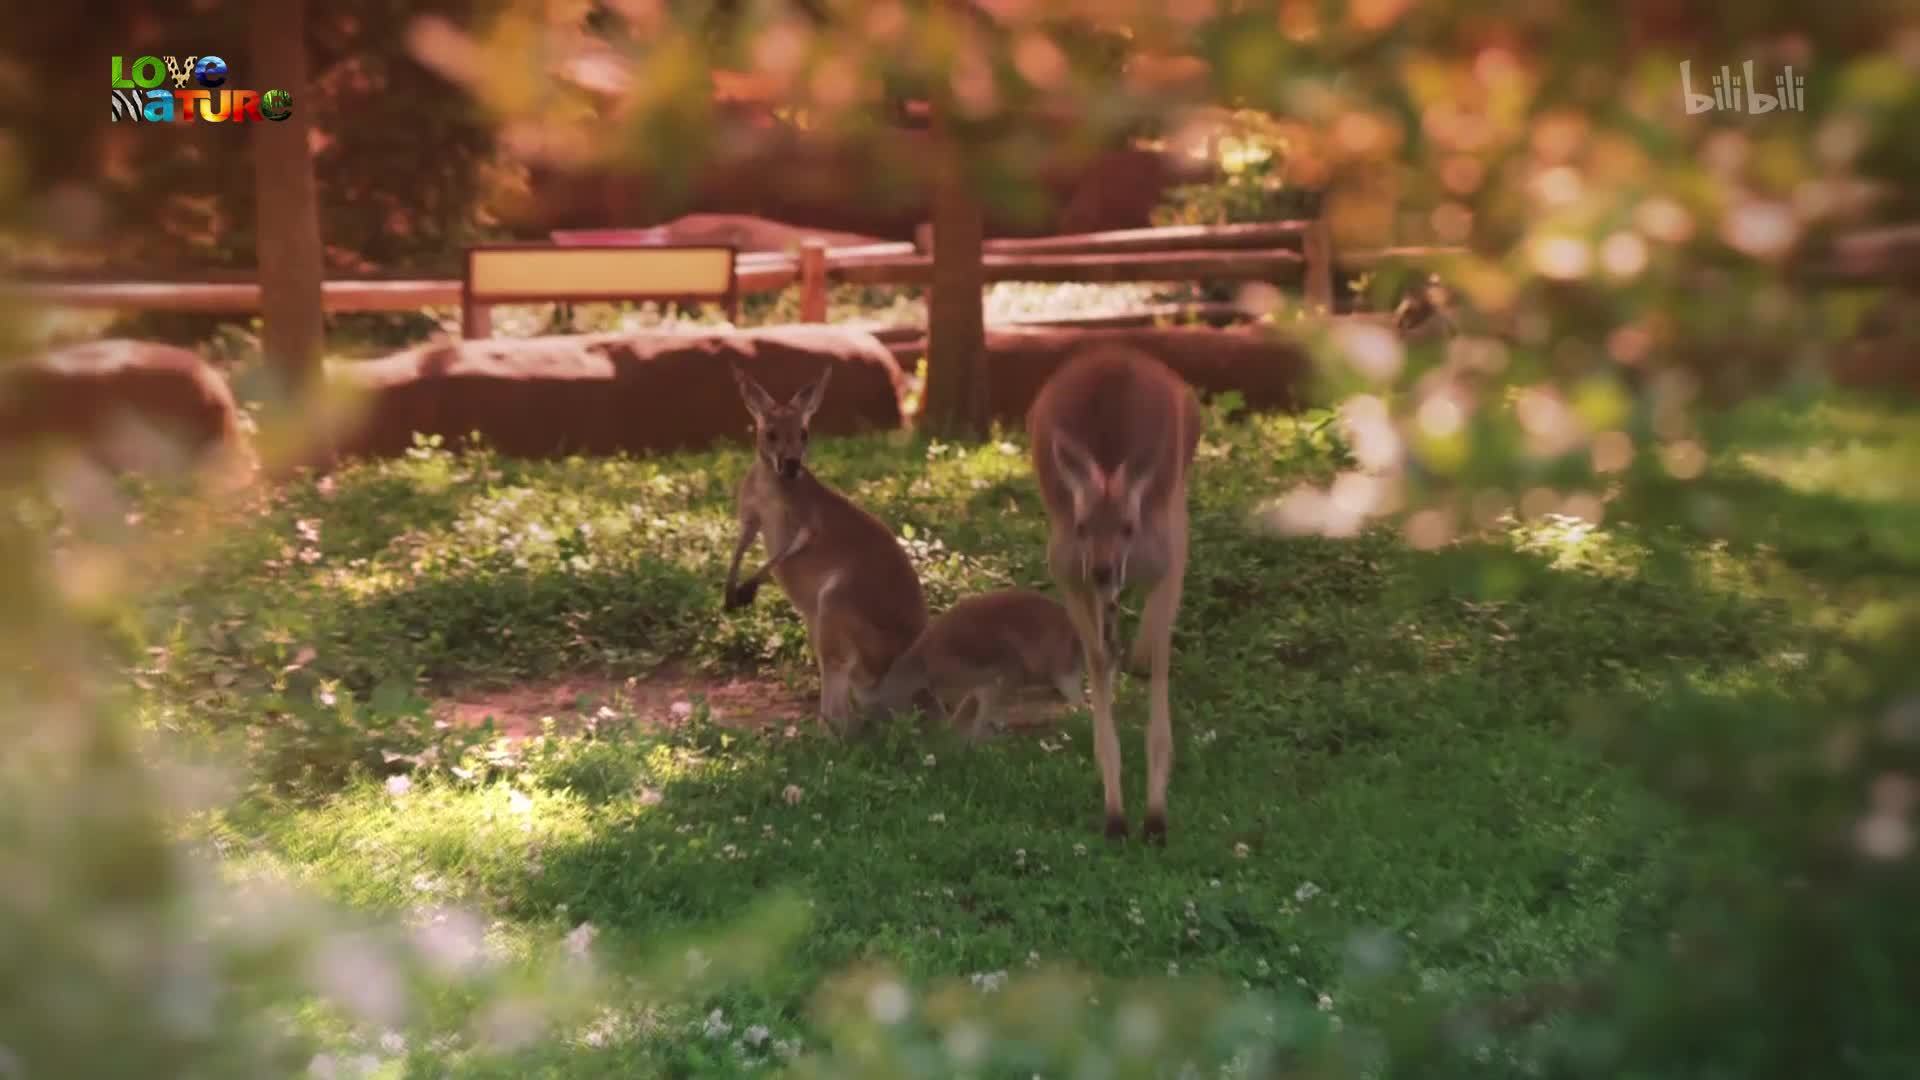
[789, 467]
[1102, 575]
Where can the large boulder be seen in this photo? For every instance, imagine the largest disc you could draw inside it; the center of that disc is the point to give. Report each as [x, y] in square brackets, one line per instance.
[608, 393]
[1268, 371]
[804, 181]
[129, 405]
[747, 232]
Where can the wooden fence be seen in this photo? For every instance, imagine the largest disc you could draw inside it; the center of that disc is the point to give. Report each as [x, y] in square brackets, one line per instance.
[1292, 253]
[1287, 253]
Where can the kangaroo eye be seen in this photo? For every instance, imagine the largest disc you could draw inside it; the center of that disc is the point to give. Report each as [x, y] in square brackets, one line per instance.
[1126, 531]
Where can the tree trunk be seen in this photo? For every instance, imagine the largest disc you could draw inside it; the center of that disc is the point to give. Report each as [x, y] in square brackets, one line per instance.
[286, 206]
[956, 403]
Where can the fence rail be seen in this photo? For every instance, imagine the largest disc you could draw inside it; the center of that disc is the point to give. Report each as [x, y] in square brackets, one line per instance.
[1293, 253]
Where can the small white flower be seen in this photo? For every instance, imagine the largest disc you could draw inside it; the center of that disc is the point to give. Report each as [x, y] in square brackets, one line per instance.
[757, 1034]
[1307, 891]
[393, 1043]
[1325, 1003]
[580, 939]
[716, 1025]
[793, 794]
[928, 761]
[937, 818]
[399, 785]
[1241, 850]
[517, 802]
[988, 982]
[887, 1002]
[966, 1042]
[1173, 968]
[1079, 849]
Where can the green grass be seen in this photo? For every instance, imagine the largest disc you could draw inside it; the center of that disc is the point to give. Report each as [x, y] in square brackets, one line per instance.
[1372, 744]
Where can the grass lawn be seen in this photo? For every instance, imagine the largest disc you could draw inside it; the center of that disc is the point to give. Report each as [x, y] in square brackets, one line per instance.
[1380, 757]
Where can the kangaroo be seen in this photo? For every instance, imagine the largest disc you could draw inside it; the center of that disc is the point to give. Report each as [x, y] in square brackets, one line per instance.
[1114, 432]
[840, 566]
[984, 646]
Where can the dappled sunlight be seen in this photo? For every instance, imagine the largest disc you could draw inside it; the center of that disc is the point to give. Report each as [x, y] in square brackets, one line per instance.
[1536, 710]
[1854, 469]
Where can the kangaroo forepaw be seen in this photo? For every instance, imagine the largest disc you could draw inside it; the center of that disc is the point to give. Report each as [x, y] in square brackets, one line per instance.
[1116, 827]
[741, 595]
[1154, 830]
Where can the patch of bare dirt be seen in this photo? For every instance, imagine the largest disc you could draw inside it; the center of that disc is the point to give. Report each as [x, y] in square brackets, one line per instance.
[669, 697]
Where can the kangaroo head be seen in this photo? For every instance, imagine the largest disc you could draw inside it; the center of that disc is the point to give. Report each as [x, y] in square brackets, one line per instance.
[1106, 514]
[780, 430]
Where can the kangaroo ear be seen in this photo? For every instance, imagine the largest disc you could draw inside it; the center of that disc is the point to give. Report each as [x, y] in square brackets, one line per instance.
[1082, 474]
[759, 402]
[1130, 488]
[808, 399]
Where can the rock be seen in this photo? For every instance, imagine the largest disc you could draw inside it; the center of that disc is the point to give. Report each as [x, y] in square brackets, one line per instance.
[608, 393]
[130, 405]
[748, 232]
[801, 180]
[1268, 371]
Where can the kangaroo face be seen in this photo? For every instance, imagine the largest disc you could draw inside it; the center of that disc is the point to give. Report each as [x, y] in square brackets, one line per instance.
[780, 429]
[1106, 518]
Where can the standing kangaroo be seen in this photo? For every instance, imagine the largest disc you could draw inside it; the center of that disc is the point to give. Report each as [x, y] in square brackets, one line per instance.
[1114, 433]
[981, 648]
[840, 566]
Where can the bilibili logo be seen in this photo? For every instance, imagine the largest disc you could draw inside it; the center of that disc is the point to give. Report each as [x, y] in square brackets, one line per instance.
[139, 96]
[1740, 92]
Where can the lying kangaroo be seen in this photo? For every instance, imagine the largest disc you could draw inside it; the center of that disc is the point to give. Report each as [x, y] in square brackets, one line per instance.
[1114, 433]
[843, 570]
[984, 646]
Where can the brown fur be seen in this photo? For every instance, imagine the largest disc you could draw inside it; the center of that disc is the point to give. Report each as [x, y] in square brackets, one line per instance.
[840, 566]
[1114, 434]
[984, 646]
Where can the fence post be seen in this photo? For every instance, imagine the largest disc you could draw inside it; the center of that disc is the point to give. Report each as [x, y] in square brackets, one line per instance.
[813, 280]
[1317, 245]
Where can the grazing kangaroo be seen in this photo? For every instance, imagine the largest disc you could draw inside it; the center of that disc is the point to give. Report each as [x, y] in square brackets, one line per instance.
[840, 566]
[1114, 433]
[984, 646]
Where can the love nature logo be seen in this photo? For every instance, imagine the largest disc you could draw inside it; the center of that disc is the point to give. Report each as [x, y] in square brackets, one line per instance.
[140, 97]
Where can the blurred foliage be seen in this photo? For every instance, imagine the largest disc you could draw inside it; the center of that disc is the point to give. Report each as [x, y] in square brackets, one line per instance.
[406, 168]
[1626, 262]
[1251, 149]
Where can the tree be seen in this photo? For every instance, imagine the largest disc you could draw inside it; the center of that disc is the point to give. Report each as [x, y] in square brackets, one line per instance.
[287, 208]
[956, 403]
